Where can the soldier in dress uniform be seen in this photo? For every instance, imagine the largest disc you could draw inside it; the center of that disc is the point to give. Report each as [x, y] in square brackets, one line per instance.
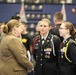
[67, 58]
[46, 50]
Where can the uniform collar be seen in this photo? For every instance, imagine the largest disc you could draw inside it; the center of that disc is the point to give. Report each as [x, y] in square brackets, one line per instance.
[66, 40]
[42, 37]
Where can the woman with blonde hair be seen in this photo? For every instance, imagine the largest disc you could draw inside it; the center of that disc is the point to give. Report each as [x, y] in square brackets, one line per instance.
[45, 50]
[13, 55]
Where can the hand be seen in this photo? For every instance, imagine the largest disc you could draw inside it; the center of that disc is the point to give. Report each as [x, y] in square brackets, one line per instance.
[29, 71]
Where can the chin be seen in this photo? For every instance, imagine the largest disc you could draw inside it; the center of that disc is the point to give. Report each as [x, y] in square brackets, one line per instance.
[60, 35]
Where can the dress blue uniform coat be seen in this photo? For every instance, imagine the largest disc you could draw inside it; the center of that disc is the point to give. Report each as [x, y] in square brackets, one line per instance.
[66, 67]
[46, 55]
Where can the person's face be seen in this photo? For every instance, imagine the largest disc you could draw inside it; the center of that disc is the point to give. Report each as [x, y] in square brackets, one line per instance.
[24, 28]
[38, 28]
[62, 30]
[18, 31]
[44, 27]
[54, 19]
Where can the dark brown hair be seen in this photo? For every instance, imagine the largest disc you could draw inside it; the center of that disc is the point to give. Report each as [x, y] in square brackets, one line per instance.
[58, 16]
[71, 28]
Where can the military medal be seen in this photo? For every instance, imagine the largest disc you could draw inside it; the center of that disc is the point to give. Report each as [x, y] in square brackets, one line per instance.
[61, 54]
[47, 52]
[45, 56]
[63, 51]
[47, 40]
[48, 56]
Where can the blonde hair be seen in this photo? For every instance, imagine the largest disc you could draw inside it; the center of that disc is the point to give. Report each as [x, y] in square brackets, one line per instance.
[8, 27]
[47, 20]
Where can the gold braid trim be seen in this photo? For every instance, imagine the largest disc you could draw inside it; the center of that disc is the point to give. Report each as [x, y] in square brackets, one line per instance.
[66, 50]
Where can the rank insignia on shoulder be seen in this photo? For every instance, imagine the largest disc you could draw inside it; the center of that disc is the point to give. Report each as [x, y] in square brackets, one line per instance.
[47, 40]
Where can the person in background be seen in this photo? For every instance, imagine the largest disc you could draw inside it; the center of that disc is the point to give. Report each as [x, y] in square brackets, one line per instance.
[16, 17]
[67, 58]
[58, 20]
[2, 34]
[45, 50]
[37, 30]
[13, 55]
[26, 40]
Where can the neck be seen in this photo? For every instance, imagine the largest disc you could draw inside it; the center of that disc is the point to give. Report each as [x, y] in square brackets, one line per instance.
[25, 32]
[44, 35]
[58, 23]
[14, 33]
[67, 36]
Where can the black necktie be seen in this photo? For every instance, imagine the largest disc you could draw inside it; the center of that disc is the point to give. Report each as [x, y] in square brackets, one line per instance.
[43, 41]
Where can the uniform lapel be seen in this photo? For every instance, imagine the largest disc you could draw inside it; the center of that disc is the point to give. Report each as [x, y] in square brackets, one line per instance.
[39, 41]
[46, 41]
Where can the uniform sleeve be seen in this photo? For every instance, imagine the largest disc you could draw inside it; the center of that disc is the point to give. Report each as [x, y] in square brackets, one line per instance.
[72, 51]
[57, 43]
[19, 52]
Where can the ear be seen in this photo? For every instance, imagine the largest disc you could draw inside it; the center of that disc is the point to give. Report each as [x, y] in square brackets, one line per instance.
[54, 19]
[15, 28]
[68, 30]
[50, 27]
